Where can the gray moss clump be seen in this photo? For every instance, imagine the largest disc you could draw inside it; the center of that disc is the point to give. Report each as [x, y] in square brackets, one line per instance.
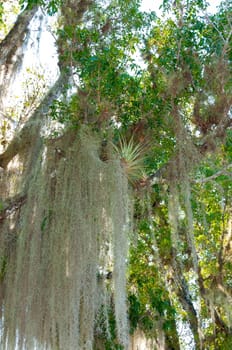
[73, 227]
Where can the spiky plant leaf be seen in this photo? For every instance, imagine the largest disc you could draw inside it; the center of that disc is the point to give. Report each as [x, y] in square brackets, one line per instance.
[132, 157]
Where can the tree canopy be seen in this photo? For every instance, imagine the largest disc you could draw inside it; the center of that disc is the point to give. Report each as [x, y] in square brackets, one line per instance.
[116, 187]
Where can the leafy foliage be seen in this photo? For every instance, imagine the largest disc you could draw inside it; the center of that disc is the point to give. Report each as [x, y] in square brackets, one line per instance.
[51, 6]
[176, 97]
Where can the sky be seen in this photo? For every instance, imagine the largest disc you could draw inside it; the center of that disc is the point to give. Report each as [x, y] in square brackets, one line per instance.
[148, 5]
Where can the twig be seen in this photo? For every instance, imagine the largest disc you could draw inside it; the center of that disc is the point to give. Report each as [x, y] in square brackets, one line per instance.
[214, 176]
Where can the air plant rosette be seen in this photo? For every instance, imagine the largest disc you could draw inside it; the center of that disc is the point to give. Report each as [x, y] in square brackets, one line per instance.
[132, 157]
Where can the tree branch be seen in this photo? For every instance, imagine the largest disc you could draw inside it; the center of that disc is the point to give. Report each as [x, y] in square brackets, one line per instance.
[11, 205]
[214, 176]
[16, 36]
[32, 127]
[11, 49]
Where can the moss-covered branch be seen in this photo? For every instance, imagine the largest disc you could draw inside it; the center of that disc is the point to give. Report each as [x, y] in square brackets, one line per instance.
[11, 49]
[16, 36]
[31, 130]
[11, 205]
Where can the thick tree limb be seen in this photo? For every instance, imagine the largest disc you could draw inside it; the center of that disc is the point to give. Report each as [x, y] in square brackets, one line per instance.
[11, 49]
[72, 11]
[31, 130]
[182, 291]
[11, 205]
[16, 36]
